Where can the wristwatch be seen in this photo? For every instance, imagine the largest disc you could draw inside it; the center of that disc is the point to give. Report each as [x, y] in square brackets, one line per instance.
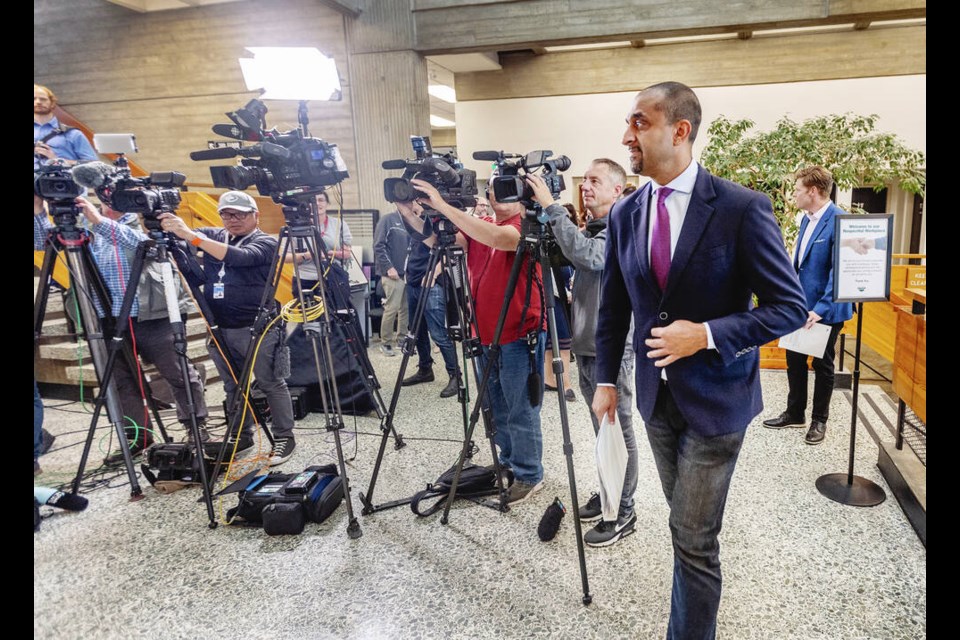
[198, 238]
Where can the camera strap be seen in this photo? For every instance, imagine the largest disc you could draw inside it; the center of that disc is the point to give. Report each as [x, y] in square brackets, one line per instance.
[53, 134]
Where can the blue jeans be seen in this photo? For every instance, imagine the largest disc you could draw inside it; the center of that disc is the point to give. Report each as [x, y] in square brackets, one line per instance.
[517, 423]
[37, 422]
[695, 473]
[588, 386]
[435, 315]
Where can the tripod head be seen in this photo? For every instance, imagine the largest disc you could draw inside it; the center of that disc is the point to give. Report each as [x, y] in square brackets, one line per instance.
[300, 210]
[446, 231]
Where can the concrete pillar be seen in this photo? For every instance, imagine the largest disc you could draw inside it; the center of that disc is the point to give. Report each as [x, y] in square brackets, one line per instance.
[389, 90]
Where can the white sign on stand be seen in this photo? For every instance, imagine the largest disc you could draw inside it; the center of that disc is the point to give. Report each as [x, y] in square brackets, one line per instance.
[862, 257]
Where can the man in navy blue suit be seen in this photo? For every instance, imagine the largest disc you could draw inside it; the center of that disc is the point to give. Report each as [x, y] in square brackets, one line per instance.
[685, 254]
[813, 260]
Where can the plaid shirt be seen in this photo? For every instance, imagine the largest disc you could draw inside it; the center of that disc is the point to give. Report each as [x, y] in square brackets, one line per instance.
[112, 245]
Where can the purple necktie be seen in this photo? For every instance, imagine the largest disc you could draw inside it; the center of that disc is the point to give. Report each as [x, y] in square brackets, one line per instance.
[660, 243]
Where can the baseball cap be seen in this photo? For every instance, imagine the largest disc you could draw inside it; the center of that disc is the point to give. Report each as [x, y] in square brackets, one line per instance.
[236, 200]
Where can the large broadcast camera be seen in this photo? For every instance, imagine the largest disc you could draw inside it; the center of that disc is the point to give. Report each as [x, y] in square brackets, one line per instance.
[147, 195]
[510, 186]
[457, 186]
[281, 164]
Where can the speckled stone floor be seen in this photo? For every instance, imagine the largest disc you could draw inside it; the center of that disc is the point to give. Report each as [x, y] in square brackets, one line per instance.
[796, 565]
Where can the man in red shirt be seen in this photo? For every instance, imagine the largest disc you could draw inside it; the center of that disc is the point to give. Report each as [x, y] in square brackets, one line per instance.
[491, 246]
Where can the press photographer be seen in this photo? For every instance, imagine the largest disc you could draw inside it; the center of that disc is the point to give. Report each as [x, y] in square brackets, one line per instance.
[491, 248]
[236, 267]
[114, 238]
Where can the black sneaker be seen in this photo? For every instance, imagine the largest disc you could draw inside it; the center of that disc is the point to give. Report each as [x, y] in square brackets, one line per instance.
[282, 450]
[570, 395]
[606, 533]
[592, 510]
[212, 449]
[204, 434]
[136, 448]
[422, 375]
[46, 442]
[451, 389]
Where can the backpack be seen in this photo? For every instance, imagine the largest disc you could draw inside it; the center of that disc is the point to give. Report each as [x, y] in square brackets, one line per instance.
[475, 482]
[283, 502]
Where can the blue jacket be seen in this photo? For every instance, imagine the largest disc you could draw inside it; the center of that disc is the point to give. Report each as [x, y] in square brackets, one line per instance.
[729, 248]
[816, 269]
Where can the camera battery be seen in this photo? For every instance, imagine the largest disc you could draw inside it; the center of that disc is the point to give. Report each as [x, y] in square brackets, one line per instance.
[301, 483]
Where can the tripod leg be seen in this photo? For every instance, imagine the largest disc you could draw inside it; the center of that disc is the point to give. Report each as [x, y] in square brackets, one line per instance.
[82, 272]
[549, 304]
[492, 356]
[407, 344]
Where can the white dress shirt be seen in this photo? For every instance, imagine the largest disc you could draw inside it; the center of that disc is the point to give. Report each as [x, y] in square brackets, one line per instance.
[813, 219]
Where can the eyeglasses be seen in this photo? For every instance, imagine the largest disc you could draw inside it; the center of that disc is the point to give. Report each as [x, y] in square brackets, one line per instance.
[234, 215]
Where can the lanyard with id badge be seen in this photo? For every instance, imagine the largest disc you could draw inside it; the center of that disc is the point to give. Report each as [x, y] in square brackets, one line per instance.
[218, 286]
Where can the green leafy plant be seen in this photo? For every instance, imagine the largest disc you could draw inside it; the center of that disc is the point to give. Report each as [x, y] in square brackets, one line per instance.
[848, 145]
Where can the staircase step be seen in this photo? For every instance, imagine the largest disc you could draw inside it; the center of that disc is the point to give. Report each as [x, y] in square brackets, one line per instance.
[196, 351]
[66, 348]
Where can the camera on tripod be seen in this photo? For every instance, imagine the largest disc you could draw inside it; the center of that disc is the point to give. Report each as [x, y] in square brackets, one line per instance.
[282, 163]
[148, 196]
[54, 182]
[510, 186]
[456, 185]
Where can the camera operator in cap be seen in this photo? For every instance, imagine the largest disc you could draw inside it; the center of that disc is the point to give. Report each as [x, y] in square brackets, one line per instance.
[51, 140]
[237, 261]
[602, 184]
[491, 249]
[113, 243]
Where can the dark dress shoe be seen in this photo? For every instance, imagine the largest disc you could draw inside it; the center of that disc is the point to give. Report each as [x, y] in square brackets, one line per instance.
[422, 375]
[782, 421]
[451, 389]
[816, 432]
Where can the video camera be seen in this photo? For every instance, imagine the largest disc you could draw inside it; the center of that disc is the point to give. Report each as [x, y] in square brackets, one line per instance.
[146, 195]
[281, 164]
[457, 186]
[55, 183]
[509, 185]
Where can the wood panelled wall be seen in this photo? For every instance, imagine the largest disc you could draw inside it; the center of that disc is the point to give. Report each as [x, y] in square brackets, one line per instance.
[449, 26]
[767, 60]
[168, 76]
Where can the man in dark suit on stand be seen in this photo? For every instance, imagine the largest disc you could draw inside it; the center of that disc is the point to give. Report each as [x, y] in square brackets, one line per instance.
[685, 254]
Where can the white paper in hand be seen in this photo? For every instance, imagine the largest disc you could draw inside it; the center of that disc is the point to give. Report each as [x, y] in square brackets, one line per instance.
[611, 467]
[811, 342]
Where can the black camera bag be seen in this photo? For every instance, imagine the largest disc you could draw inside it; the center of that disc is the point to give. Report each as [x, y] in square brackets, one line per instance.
[316, 504]
[175, 465]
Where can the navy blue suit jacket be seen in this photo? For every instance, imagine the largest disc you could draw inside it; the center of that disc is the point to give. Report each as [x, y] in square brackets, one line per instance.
[816, 269]
[729, 248]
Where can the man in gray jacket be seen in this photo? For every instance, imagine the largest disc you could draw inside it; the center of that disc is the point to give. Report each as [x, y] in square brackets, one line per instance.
[603, 183]
[390, 240]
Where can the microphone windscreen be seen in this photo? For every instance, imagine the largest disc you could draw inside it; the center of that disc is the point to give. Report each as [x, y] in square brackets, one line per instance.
[550, 522]
[220, 153]
[91, 174]
[486, 155]
[394, 164]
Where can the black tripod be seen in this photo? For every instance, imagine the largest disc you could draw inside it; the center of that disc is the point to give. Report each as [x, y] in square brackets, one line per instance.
[156, 247]
[534, 244]
[85, 281]
[451, 258]
[300, 216]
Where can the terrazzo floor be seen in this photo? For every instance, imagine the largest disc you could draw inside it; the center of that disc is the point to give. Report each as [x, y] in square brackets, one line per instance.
[796, 565]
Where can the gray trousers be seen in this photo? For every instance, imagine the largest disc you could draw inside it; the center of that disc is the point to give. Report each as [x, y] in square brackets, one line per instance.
[588, 385]
[273, 387]
[394, 309]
